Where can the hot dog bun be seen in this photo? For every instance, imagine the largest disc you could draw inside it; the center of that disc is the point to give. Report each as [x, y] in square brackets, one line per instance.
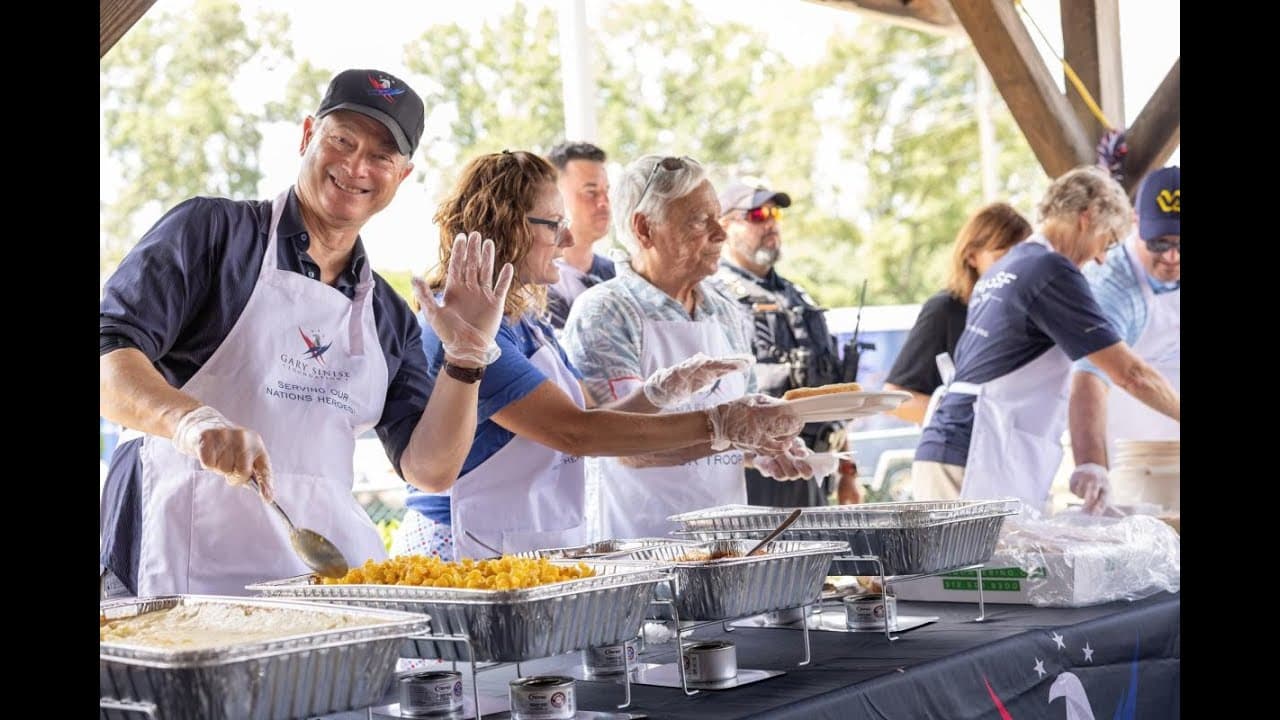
[798, 393]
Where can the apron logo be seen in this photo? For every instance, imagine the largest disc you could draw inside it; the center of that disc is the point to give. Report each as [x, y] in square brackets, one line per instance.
[316, 348]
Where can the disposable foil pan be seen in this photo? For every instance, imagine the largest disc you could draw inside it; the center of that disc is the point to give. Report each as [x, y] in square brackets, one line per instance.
[788, 574]
[909, 537]
[601, 548]
[505, 625]
[299, 676]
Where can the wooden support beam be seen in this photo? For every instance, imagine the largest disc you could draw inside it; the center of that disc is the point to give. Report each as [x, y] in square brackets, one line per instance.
[1053, 131]
[930, 16]
[1157, 130]
[115, 17]
[1091, 46]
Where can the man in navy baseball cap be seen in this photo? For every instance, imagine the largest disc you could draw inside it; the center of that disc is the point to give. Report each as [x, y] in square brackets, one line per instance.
[381, 96]
[1139, 289]
[1160, 205]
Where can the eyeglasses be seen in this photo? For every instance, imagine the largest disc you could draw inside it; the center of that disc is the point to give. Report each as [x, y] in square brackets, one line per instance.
[1160, 246]
[762, 214]
[1113, 242]
[670, 164]
[561, 228]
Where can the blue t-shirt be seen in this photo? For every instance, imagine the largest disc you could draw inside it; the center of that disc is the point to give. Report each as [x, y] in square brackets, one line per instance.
[1116, 288]
[510, 378]
[1029, 301]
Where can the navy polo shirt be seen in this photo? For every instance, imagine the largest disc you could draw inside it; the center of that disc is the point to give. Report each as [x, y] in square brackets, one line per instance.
[177, 294]
[1029, 301]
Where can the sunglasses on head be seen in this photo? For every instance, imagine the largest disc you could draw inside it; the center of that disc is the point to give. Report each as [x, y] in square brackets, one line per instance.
[1159, 246]
[763, 213]
[670, 164]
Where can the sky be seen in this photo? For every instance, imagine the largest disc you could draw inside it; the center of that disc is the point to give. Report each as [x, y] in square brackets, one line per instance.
[322, 33]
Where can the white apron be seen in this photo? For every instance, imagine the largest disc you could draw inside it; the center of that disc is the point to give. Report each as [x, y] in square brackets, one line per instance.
[527, 496]
[637, 501]
[947, 371]
[1019, 418]
[1159, 344]
[303, 368]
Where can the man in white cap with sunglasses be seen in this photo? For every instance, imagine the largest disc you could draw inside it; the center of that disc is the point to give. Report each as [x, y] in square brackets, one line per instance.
[1139, 289]
[790, 339]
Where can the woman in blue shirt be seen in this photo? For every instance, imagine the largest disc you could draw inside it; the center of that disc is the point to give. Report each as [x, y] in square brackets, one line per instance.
[522, 486]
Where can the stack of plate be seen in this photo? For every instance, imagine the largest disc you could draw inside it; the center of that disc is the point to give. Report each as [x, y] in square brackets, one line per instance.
[1147, 471]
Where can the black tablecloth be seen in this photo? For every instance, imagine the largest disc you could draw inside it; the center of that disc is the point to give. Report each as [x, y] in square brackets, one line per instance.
[1119, 661]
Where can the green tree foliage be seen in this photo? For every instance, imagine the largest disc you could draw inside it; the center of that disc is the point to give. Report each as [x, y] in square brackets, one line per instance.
[498, 90]
[170, 119]
[907, 99]
[877, 143]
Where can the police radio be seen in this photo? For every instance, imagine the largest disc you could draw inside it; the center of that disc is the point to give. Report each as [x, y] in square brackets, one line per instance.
[852, 351]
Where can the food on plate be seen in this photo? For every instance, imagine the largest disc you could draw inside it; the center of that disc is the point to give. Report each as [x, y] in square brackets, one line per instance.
[205, 626]
[797, 393]
[504, 573]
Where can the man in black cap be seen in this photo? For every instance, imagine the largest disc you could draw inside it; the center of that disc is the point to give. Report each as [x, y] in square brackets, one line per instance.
[238, 328]
[793, 347]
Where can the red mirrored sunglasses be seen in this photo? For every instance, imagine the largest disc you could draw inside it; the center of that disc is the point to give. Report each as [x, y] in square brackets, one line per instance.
[761, 214]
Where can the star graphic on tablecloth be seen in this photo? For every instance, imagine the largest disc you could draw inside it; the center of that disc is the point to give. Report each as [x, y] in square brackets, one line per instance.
[1088, 653]
[1039, 668]
[1058, 639]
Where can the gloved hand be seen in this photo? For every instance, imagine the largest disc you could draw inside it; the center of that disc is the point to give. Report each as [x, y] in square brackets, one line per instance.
[798, 462]
[676, 384]
[470, 312]
[224, 447]
[754, 422]
[1090, 482]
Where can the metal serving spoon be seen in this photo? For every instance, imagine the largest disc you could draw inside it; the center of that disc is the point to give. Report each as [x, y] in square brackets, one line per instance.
[496, 552]
[795, 514]
[313, 548]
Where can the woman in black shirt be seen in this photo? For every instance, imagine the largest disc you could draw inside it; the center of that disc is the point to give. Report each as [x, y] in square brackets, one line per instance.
[986, 236]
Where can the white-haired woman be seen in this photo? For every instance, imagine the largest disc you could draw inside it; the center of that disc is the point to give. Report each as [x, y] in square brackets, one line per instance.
[997, 431]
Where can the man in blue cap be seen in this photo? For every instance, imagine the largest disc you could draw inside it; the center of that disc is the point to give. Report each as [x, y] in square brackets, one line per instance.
[238, 327]
[1139, 289]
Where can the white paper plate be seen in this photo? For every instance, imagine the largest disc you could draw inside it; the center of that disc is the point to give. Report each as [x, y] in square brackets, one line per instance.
[847, 405]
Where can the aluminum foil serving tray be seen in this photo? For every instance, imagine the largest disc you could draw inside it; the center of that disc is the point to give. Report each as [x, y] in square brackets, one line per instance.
[909, 537]
[789, 574]
[299, 676]
[603, 548]
[505, 625]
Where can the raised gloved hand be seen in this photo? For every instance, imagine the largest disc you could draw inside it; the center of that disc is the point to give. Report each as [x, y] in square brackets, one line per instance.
[754, 422]
[224, 447]
[470, 312]
[1090, 482]
[676, 384]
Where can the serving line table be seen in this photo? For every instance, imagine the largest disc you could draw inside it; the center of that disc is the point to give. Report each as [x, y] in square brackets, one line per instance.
[1122, 660]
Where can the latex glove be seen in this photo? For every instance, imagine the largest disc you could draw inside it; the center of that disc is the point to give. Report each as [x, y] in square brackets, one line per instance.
[470, 312]
[224, 447]
[676, 384]
[798, 462]
[754, 422]
[1090, 482]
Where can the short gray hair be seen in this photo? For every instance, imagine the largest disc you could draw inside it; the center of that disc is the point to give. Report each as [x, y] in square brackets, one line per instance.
[1088, 187]
[667, 185]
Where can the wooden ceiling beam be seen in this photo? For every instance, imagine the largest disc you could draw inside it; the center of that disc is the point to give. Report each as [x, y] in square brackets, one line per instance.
[1053, 131]
[930, 16]
[1157, 130]
[1091, 46]
[115, 17]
